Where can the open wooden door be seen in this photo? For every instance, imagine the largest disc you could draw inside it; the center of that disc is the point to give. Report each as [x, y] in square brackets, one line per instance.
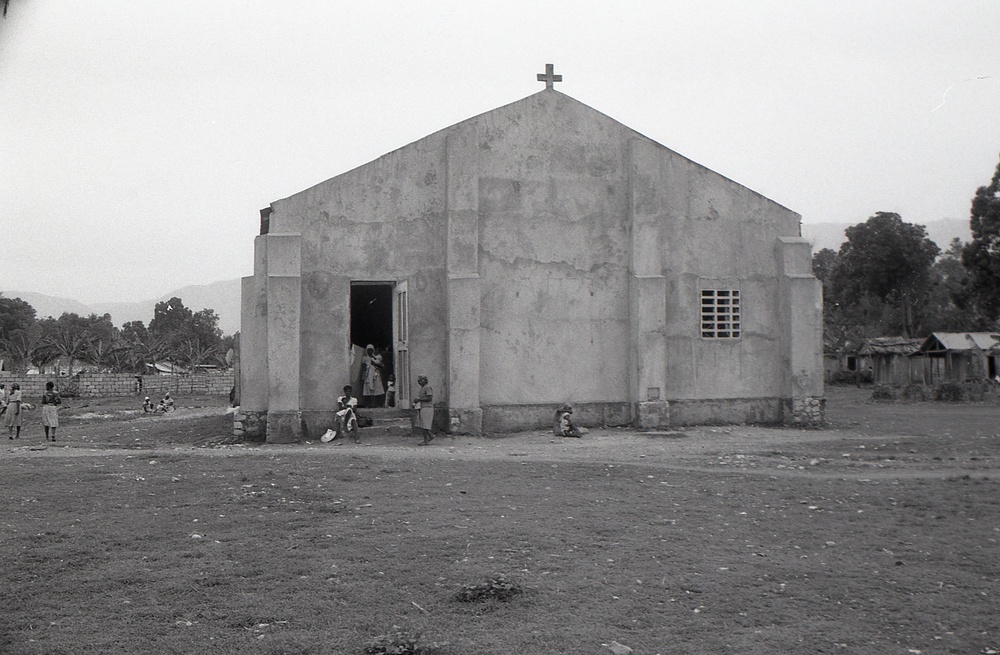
[401, 335]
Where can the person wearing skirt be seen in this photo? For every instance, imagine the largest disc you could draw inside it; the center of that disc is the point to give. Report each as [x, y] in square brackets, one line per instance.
[50, 410]
[424, 404]
[12, 417]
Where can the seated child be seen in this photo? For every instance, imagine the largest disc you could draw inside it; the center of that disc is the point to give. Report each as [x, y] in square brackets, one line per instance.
[564, 426]
[147, 405]
[346, 419]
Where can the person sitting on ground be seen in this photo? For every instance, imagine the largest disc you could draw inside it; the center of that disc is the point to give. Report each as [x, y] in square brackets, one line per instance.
[564, 426]
[168, 401]
[147, 405]
[347, 420]
[161, 407]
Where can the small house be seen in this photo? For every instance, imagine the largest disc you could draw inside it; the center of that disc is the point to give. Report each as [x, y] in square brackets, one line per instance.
[957, 357]
[889, 358]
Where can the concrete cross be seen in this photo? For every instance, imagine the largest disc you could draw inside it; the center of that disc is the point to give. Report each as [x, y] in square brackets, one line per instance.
[548, 76]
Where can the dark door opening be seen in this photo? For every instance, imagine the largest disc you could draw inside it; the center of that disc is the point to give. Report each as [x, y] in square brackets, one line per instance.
[371, 324]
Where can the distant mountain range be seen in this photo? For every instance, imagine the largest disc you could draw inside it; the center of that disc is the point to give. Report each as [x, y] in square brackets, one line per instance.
[223, 297]
[831, 235]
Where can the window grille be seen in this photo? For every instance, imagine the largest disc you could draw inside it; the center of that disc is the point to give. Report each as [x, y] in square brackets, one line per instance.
[720, 314]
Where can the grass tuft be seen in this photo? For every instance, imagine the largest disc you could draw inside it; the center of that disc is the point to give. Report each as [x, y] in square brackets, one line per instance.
[402, 642]
[497, 588]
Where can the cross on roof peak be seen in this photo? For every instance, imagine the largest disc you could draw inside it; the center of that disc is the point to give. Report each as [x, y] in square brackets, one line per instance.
[549, 77]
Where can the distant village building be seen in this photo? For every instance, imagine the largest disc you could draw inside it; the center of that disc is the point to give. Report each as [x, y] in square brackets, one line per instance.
[889, 359]
[537, 254]
[958, 357]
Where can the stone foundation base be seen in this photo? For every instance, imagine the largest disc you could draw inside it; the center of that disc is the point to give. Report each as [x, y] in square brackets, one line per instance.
[250, 425]
[806, 411]
[653, 414]
[465, 421]
[725, 411]
[284, 427]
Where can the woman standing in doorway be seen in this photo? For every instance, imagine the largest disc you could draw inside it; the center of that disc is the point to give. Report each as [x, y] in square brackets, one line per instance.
[371, 372]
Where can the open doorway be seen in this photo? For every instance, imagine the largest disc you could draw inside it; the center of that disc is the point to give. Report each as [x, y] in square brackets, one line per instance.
[371, 325]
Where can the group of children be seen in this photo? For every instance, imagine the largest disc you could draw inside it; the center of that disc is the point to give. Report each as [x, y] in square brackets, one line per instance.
[165, 405]
[12, 408]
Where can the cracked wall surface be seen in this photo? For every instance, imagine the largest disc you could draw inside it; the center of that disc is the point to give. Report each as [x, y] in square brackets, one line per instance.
[552, 255]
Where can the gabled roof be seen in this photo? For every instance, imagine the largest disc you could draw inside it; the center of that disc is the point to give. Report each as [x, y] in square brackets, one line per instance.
[541, 103]
[960, 341]
[890, 346]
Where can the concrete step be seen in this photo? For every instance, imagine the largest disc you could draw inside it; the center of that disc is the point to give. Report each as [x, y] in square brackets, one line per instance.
[384, 412]
[386, 423]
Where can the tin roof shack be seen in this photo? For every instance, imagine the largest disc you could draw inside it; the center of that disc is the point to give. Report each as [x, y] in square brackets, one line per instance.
[890, 359]
[957, 357]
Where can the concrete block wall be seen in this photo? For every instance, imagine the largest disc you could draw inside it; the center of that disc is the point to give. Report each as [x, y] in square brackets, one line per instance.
[95, 385]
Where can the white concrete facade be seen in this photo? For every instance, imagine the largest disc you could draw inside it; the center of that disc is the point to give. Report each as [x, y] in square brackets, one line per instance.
[549, 254]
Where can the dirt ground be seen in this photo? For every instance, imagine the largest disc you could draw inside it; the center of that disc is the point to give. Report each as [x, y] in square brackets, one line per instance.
[862, 438]
[876, 534]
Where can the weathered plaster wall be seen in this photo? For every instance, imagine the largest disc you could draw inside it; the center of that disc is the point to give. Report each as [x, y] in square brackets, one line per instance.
[718, 234]
[552, 254]
[379, 222]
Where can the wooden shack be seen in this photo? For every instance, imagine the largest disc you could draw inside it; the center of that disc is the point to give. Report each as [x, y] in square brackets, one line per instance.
[890, 360]
[957, 357]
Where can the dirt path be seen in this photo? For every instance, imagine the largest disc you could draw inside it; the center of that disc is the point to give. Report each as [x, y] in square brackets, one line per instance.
[928, 441]
[863, 441]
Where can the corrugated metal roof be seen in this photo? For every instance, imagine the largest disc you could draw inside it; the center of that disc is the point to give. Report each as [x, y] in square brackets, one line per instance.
[890, 346]
[960, 341]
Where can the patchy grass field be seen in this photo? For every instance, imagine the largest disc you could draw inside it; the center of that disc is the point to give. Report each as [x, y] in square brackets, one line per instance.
[157, 535]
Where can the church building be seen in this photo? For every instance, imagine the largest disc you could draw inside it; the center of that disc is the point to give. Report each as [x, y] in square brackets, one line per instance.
[537, 254]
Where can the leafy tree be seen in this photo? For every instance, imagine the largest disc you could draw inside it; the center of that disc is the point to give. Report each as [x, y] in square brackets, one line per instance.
[171, 320]
[949, 306]
[981, 256]
[884, 262]
[15, 314]
[189, 336]
[823, 263]
[205, 328]
[134, 332]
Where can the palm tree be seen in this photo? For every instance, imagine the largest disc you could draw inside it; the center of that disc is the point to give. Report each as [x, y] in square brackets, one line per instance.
[25, 348]
[191, 353]
[64, 341]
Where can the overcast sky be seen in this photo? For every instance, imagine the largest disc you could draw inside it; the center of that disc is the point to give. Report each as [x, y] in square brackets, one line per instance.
[140, 139]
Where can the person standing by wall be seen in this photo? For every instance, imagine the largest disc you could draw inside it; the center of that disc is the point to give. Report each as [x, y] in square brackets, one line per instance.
[424, 404]
[12, 418]
[50, 410]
